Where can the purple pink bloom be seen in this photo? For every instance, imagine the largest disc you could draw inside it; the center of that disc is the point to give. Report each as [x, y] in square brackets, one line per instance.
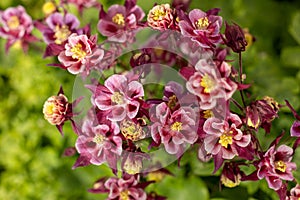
[16, 26]
[160, 17]
[276, 166]
[55, 109]
[119, 20]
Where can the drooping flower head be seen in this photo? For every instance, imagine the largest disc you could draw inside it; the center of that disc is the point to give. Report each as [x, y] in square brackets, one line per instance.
[120, 97]
[202, 27]
[119, 19]
[235, 37]
[80, 53]
[16, 26]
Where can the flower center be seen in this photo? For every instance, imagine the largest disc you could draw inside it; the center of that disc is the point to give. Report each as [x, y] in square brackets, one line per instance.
[280, 166]
[49, 108]
[117, 98]
[177, 126]
[13, 22]
[124, 195]
[61, 34]
[172, 101]
[225, 139]
[202, 23]
[131, 131]
[207, 83]
[99, 139]
[133, 166]
[158, 13]
[78, 52]
[119, 19]
[208, 114]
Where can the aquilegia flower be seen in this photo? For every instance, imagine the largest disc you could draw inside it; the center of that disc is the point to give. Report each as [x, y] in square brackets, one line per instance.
[16, 26]
[276, 166]
[160, 17]
[120, 97]
[119, 19]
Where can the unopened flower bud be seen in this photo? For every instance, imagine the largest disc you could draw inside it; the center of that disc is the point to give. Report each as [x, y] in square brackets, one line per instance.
[55, 109]
[235, 38]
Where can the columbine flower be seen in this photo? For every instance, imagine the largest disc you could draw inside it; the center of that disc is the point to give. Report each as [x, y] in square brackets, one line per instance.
[223, 137]
[55, 109]
[174, 130]
[204, 28]
[231, 175]
[276, 166]
[207, 84]
[80, 53]
[160, 17]
[16, 27]
[120, 97]
[120, 19]
[131, 130]
[235, 38]
[100, 143]
[125, 188]
[262, 113]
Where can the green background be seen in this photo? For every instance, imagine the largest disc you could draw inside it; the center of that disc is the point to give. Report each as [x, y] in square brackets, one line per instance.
[31, 162]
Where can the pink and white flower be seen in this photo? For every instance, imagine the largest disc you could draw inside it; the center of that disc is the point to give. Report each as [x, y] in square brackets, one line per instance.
[276, 166]
[208, 84]
[120, 97]
[16, 26]
[119, 19]
[99, 143]
[160, 17]
[224, 138]
[173, 129]
[202, 27]
[80, 53]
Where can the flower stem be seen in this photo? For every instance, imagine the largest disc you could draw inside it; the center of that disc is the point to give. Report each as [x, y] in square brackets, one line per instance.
[241, 78]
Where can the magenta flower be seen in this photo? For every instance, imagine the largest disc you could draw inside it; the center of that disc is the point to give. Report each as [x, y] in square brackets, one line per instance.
[80, 53]
[16, 27]
[224, 138]
[174, 130]
[207, 84]
[120, 97]
[276, 166]
[120, 19]
[125, 188]
[204, 28]
[59, 27]
[100, 143]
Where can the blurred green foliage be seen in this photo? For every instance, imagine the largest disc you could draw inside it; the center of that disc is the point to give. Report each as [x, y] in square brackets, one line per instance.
[31, 164]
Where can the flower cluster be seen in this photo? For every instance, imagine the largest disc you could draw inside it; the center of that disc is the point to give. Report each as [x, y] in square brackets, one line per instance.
[125, 113]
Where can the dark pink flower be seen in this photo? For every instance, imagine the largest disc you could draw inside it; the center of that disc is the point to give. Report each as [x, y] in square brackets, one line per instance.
[202, 27]
[16, 26]
[235, 37]
[58, 27]
[55, 109]
[119, 97]
[100, 143]
[209, 86]
[160, 17]
[224, 137]
[276, 166]
[173, 129]
[120, 19]
[80, 53]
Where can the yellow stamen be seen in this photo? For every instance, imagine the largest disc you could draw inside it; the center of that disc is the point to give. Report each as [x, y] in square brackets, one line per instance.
[13, 22]
[208, 83]
[208, 114]
[124, 195]
[177, 126]
[78, 52]
[119, 19]
[158, 13]
[99, 139]
[229, 183]
[280, 166]
[202, 23]
[117, 98]
[225, 139]
[61, 34]
[131, 130]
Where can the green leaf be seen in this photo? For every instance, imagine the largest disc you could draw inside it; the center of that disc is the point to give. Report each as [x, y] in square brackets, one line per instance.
[290, 56]
[295, 27]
